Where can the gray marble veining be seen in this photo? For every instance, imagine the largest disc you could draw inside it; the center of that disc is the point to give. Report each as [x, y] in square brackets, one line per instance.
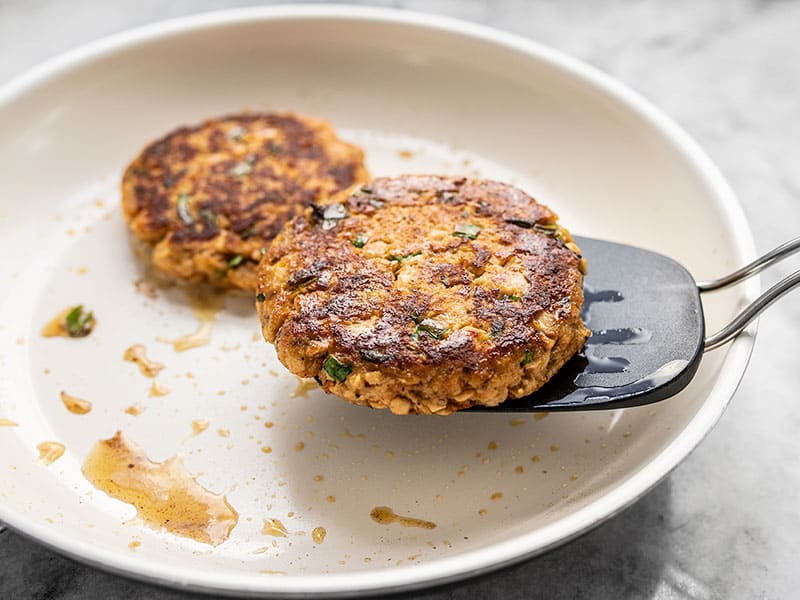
[726, 523]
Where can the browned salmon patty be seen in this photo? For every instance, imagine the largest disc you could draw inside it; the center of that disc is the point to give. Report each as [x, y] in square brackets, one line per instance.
[424, 294]
[203, 201]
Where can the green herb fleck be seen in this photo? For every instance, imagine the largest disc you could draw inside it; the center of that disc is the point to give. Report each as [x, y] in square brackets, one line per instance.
[549, 229]
[261, 297]
[520, 223]
[248, 233]
[183, 209]
[262, 251]
[401, 258]
[336, 370]
[467, 230]
[209, 216]
[236, 133]
[430, 327]
[512, 298]
[79, 323]
[527, 358]
[235, 261]
[360, 240]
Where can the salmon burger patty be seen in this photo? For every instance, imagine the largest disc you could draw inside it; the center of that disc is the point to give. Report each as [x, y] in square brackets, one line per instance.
[203, 201]
[424, 294]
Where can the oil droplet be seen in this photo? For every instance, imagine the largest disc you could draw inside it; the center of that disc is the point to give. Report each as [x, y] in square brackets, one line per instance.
[75, 405]
[482, 512]
[553, 447]
[303, 387]
[540, 415]
[535, 458]
[386, 516]
[223, 432]
[49, 452]
[516, 422]
[199, 426]
[299, 446]
[331, 499]
[135, 410]
[266, 449]
[269, 424]
[134, 544]
[496, 496]
[8, 423]
[318, 478]
[405, 154]
[271, 572]
[274, 527]
[492, 445]
[519, 469]
[205, 306]
[156, 389]
[138, 354]
[318, 534]
[164, 494]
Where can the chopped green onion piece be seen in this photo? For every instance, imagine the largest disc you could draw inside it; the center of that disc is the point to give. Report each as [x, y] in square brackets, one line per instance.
[395, 258]
[79, 323]
[209, 216]
[512, 297]
[467, 230]
[236, 133]
[527, 358]
[336, 370]
[520, 223]
[360, 240]
[235, 261]
[183, 209]
[431, 327]
[551, 230]
[261, 297]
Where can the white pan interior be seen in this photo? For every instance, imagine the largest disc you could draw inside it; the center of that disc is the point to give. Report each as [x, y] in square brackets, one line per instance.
[420, 95]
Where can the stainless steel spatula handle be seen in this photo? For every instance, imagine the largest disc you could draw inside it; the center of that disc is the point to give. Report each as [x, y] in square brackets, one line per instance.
[743, 319]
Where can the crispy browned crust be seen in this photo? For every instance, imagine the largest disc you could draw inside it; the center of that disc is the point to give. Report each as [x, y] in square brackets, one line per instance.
[202, 196]
[429, 320]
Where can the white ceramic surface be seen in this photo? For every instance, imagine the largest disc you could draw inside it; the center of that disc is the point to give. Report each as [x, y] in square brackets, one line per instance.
[462, 99]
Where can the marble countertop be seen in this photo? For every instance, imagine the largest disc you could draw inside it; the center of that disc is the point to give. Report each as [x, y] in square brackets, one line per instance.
[726, 523]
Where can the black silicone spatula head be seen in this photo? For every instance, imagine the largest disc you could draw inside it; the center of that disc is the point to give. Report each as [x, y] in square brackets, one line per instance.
[647, 325]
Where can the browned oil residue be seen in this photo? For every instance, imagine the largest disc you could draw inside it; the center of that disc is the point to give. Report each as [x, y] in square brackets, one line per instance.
[318, 534]
[8, 423]
[156, 389]
[135, 410]
[134, 544]
[50, 452]
[303, 387]
[386, 516]
[138, 354]
[199, 426]
[57, 326]
[274, 527]
[517, 422]
[75, 405]
[540, 415]
[205, 306]
[496, 496]
[164, 494]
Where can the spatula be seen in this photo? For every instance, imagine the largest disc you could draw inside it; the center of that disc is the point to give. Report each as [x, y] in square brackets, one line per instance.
[648, 331]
